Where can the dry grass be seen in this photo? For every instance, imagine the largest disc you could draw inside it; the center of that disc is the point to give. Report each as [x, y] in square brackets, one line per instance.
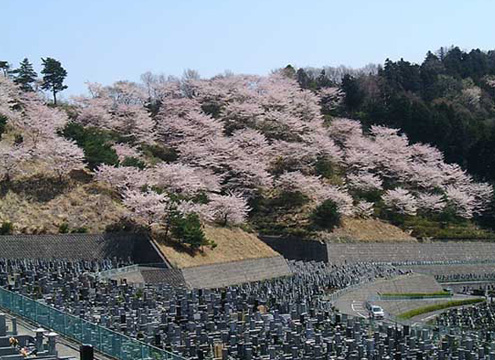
[367, 230]
[78, 205]
[233, 244]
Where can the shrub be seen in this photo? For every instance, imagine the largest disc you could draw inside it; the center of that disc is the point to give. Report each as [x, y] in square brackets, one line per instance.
[324, 167]
[163, 153]
[63, 228]
[326, 215]
[80, 230]
[448, 304]
[132, 161]
[7, 228]
[18, 139]
[3, 124]
[289, 200]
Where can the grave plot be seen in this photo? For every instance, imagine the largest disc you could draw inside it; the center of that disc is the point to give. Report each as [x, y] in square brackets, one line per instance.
[285, 318]
[15, 345]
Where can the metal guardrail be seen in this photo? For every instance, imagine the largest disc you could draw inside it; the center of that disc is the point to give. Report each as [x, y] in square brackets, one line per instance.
[435, 262]
[121, 270]
[410, 297]
[104, 340]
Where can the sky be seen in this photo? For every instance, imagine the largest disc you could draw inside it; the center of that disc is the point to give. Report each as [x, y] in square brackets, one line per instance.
[109, 40]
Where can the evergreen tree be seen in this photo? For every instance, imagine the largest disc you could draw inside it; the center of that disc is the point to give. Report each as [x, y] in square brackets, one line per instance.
[187, 229]
[25, 75]
[322, 80]
[303, 78]
[5, 67]
[54, 76]
[354, 95]
[326, 215]
[289, 71]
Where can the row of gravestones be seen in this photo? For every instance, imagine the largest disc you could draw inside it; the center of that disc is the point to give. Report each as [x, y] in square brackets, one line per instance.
[444, 278]
[15, 346]
[476, 318]
[282, 318]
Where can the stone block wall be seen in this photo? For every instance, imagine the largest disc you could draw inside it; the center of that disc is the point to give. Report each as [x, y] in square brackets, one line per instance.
[297, 249]
[402, 251]
[235, 272]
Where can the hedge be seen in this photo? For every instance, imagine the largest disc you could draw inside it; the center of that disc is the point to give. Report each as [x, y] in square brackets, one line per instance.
[426, 309]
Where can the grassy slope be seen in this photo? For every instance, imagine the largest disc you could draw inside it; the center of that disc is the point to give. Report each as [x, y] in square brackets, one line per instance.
[232, 245]
[34, 210]
[366, 230]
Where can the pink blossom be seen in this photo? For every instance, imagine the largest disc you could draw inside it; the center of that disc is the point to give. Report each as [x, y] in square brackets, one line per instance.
[463, 204]
[126, 151]
[364, 181]
[228, 209]
[62, 155]
[121, 178]
[183, 179]
[12, 158]
[147, 208]
[430, 202]
[364, 209]
[401, 201]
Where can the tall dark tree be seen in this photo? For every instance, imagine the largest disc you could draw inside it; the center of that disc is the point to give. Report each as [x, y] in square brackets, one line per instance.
[25, 76]
[430, 69]
[303, 78]
[5, 67]
[53, 77]
[322, 80]
[289, 71]
[354, 95]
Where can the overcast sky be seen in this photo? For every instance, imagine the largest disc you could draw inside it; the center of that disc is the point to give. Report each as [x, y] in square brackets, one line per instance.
[108, 40]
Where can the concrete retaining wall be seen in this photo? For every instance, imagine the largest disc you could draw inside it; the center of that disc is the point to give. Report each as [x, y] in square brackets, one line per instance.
[236, 272]
[297, 249]
[79, 247]
[390, 252]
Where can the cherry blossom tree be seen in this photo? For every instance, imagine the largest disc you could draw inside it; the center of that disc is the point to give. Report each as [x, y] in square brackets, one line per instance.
[228, 209]
[146, 208]
[316, 190]
[9, 97]
[364, 181]
[400, 201]
[184, 179]
[121, 178]
[117, 108]
[462, 204]
[12, 158]
[430, 202]
[126, 151]
[40, 122]
[364, 209]
[62, 156]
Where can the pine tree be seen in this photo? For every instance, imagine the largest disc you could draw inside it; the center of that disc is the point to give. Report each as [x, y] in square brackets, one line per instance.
[5, 67]
[25, 75]
[54, 76]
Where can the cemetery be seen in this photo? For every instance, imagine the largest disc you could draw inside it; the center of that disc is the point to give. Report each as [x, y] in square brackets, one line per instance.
[131, 310]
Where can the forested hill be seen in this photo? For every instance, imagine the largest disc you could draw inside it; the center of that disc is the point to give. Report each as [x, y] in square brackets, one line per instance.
[282, 153]
[448, 101]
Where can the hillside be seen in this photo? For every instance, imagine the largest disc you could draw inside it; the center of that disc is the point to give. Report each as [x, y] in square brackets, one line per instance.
[230, 151]
[232, 245]
[366, 230]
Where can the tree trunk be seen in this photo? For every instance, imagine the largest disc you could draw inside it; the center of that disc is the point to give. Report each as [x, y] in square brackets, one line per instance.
[54, 97]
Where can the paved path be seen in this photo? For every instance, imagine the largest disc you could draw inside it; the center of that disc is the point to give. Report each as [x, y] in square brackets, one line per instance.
[65, 347]
[353, 302]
